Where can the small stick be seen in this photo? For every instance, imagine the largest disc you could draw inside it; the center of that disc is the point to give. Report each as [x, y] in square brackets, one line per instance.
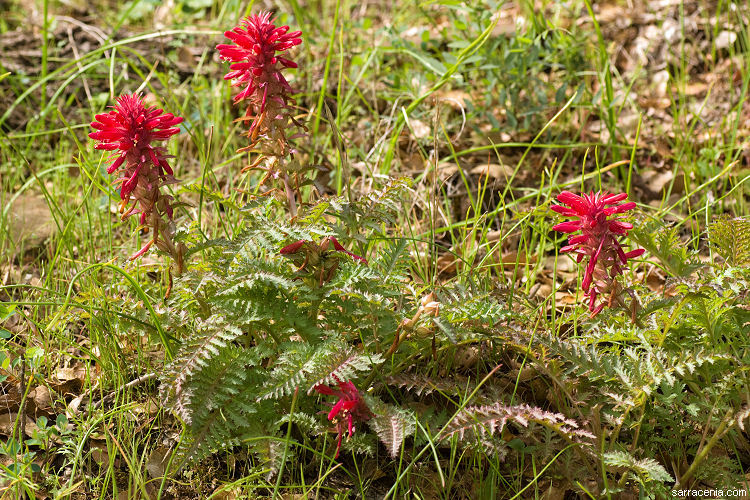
[109, 397]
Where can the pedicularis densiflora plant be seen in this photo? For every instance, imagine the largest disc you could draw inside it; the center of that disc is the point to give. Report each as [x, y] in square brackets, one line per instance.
[278, 322]
[129, 130]
[304, 333]
[597, 242]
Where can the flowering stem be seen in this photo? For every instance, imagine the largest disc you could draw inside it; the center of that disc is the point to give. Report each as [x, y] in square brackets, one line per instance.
[597, 218]
[290, 196]
[256, 67]
[131, 131]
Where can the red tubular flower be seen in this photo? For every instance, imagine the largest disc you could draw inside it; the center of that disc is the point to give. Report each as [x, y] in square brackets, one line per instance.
[349, 408]
[256, 67]
[316, 258]
[129, 131]
[337, 246]
[597, 241]
[293, 248]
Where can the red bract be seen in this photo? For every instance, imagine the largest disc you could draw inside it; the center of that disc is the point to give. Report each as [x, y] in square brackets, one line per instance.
[597, 241]
[130, 130]
[349, 408]
[256, 67]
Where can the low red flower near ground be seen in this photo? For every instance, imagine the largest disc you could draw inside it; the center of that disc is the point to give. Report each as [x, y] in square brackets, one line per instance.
[129, 131]
[316, 259]
[597, 242]
[349, 409]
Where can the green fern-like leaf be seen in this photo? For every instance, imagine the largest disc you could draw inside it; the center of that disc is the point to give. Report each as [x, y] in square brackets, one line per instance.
[647, 469]
[309, 423]
[218, 404]
[302, 365]
[194, 355]
[291, 370]
[314, 214]
[391, 424]
[730, 238]
[382, 205]
[465, 315]
[361, 443]
[664, 243]
[393, 260]
[342, 366]
[637, 371]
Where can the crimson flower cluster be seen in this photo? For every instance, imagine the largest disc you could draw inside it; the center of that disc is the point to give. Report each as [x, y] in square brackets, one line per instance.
[129, 131]
[349, 408]
[304, 246]
[598, 242]
[256, 69]
[254, 56]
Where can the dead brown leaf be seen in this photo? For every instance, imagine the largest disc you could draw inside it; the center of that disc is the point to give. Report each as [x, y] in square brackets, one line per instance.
[8, 422]
[41, 397]
[156, 465]
[31, 221]
[494, 171]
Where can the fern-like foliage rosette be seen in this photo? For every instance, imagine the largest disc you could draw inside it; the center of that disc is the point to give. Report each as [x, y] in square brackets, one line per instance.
[256, 329]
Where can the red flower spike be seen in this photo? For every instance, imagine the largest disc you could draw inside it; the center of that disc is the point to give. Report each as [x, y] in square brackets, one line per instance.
[130, 130]
[257, 69]
[349, 408]
[597, 242]
[255, 61]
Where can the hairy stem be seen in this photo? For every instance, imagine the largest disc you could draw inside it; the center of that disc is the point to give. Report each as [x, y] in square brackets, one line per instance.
[723, 428]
